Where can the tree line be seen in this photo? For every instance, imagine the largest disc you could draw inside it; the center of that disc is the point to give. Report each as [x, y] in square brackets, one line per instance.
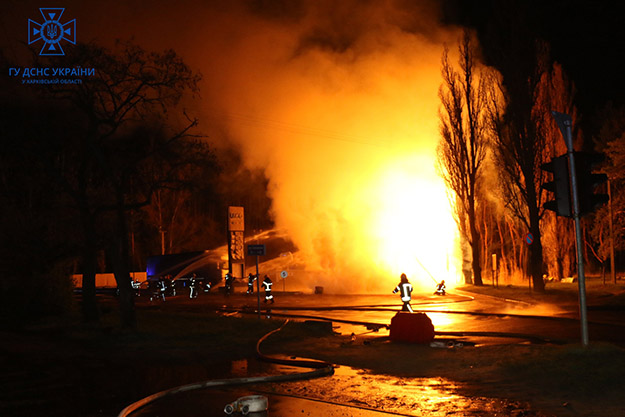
[496, 130]
[98, 175]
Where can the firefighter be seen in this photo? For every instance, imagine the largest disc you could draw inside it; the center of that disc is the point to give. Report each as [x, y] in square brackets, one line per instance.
[136, 285]
[207, 285]
[228, 283]
[162, 288]
[250, 283]
[170, 284]
[267, 284]
[405, 289]
[192, 283]
[440, 288]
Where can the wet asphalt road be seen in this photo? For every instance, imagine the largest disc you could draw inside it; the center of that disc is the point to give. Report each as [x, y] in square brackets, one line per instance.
[457, 312]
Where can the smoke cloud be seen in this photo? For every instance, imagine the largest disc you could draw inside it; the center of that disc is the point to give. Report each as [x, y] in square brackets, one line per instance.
[337, 102]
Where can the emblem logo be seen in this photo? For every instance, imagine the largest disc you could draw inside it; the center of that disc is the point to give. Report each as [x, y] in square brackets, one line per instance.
[51, 31]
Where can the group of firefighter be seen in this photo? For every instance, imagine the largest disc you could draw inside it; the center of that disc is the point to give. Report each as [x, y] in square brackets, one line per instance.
[167, 286]
[404, 288]
[161, 287]
[266, 283]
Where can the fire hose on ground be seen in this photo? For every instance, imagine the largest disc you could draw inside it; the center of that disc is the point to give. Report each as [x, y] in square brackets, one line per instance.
[321, 369]
[376, 326]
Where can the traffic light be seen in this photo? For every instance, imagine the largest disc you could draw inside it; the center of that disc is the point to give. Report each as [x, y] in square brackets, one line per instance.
[587, 181]
[560, 186]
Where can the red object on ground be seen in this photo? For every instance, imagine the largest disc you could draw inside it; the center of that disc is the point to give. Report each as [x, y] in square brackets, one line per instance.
[411, 328]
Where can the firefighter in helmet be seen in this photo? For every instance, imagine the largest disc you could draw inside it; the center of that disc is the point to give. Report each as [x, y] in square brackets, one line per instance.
[440, 288]
[267, 285]
[192, 284]
[405, 289]
[162, 288]
[229, 280]
[250, 283]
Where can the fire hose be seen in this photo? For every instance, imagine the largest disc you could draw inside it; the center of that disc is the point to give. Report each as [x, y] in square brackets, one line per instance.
[377, 326]
[321, 368]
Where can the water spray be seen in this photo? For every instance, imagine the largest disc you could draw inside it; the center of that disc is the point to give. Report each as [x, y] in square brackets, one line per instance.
[425, 269]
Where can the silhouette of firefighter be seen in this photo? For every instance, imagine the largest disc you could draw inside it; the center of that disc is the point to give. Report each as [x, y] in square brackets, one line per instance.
[229, 280]
[405, 289]
[440, 288]
[250, 283]
[192, 286]
[267, 285]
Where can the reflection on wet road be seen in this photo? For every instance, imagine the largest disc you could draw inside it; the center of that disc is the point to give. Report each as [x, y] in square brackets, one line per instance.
[400, 396]
[357, 393]
[348, 393]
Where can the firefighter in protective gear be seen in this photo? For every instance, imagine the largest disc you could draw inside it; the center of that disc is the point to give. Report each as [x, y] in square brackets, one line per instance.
[267, 285]
[440, 288]
[405, 289]
[229, 280]
[192, 289]
[162, 287]
[250, 283]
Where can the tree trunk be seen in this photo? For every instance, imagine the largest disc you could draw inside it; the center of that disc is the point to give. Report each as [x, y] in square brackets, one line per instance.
[90, 311]
[475, 263]
[122, 272]
[536, 255]
[475, 246]
[466, 259]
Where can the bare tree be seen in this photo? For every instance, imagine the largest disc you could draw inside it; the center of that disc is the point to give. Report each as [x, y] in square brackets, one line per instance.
[121, 130]
[525, 135]
[462, 147]
[611, 141]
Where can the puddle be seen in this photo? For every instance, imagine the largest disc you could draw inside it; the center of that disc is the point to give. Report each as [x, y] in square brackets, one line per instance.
[400, 396]
[349, 392]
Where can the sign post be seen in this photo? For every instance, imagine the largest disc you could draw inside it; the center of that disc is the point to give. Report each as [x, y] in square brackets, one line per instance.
[258, 250]
[283, 275]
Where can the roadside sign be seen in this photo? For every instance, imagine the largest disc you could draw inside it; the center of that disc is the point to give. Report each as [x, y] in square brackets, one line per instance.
[529, 238]
[284, 274]
[236, 219]
[258, 250]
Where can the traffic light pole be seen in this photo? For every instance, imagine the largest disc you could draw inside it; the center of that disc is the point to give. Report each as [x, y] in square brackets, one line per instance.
[564, 123]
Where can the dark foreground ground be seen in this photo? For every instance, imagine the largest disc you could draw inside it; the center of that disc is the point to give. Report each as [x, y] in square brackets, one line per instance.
[58, 367]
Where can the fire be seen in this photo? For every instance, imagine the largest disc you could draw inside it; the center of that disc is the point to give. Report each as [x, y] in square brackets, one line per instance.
[414, 226]
[342, 117]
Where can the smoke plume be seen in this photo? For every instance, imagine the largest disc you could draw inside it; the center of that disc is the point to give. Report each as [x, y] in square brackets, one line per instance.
[335, 100]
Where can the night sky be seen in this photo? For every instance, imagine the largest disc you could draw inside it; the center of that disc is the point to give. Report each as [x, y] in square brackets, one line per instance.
[585, 36]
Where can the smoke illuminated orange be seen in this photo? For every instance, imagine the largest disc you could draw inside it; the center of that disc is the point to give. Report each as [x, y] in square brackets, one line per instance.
[347, 138]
